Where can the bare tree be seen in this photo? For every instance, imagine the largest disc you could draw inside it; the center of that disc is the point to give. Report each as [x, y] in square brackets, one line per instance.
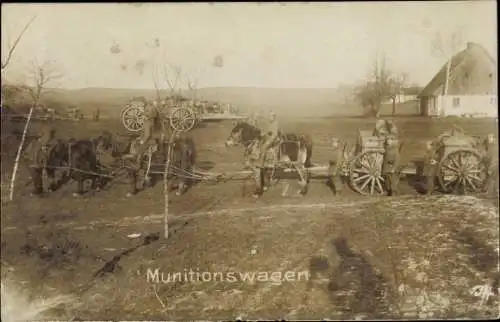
[172, 78]
[192, 84]
[396, 86]
[40, 76]
[377, 89]
[12, 48]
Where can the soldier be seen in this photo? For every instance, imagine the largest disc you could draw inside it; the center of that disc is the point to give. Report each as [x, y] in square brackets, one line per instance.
[380, 128]
[97, 114]
[491, 152]
[430, 164]
[270, 135]
[38, 153]
[390, 165]
[334, 180]
[150, 114]
[384, 128]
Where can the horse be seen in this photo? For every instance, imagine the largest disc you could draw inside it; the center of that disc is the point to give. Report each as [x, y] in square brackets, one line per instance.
[292, 150]
[87, 160]
[144, 160]
[48, 157]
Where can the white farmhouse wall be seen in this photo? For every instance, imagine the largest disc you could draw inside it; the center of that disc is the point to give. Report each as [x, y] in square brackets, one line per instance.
[401, 98]
[434, 106]
[473, 105]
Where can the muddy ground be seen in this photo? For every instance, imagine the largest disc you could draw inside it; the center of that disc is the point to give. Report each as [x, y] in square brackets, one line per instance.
[365, 257]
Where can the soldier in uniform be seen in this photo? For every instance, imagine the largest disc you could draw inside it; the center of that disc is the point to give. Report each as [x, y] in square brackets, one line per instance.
[140, 145]
[150, 115]
[384, 128]
[390, 165]
[334, 180]
[491, 153]
[97, 114]
[38, 152]
[270, 135]
[430, 165]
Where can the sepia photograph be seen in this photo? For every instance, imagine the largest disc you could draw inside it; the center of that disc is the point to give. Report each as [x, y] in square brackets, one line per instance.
[224, 161]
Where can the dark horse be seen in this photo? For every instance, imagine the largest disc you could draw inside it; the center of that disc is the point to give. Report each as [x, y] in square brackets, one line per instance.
[152, 159]
[90, 160]
[74, 159]
[49, 157]
[291, 151]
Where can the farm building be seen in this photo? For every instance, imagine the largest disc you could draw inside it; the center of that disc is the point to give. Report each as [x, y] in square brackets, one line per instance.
[472, 86]
[408, 94]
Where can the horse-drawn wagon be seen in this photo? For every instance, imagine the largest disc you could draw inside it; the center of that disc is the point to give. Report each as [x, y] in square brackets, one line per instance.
[458, 163]
[179, 116]
[365, 168]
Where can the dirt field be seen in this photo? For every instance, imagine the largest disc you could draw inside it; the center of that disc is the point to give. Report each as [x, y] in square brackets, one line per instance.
[407, 256]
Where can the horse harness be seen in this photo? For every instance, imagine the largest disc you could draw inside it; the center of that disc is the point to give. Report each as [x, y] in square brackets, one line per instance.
[43, 152]
[275, 146]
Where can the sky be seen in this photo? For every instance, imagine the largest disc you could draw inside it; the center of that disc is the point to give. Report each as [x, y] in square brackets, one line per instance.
[279, 45]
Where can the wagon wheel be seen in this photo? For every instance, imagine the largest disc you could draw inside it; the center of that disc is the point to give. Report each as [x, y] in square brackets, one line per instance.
[366, 173]
[133, 117]
[182, 119]
[462, 170]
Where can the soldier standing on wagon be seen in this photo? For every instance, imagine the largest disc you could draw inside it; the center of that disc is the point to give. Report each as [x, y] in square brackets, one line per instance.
[334, 180]
[384, 128]
[150, 115]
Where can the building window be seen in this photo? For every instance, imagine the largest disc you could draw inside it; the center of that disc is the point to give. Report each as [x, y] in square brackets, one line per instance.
[456, 102]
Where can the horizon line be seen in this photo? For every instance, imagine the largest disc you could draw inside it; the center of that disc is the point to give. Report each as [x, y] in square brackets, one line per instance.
[211, 87]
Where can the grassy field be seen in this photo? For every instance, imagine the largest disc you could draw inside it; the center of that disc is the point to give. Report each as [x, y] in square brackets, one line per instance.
[410, 256]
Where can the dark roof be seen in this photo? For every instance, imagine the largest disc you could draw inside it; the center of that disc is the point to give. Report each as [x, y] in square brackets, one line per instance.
[473, 51]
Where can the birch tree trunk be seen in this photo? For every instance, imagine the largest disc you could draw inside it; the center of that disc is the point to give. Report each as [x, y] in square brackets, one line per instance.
[165, 184]
[19, 152]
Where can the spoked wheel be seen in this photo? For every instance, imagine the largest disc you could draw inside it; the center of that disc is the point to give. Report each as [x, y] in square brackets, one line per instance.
[366, 173]
[133, 117]
[182, 119]
[462, 171]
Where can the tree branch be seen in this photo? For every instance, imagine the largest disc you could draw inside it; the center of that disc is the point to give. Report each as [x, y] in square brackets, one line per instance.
[172, 84]
[16, 42]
